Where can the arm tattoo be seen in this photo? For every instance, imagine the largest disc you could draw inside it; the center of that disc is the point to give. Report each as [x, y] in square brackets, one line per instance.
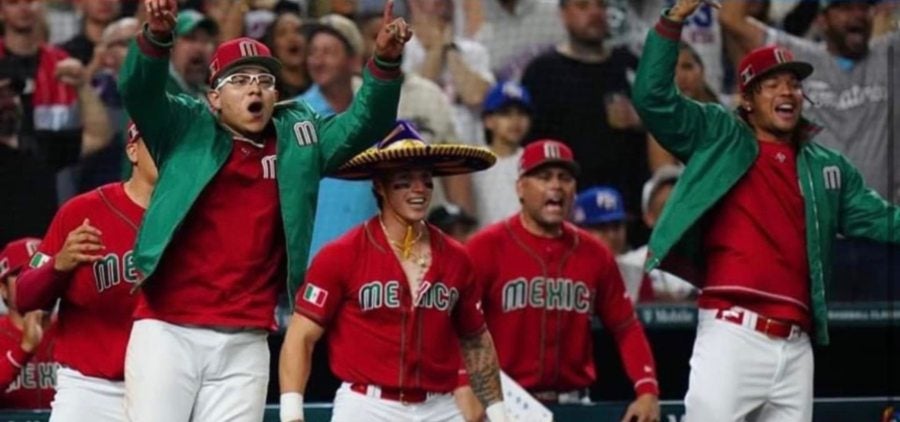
[484, 369]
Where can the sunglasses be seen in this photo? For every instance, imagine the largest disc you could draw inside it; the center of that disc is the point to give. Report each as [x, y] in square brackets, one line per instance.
[241, 80]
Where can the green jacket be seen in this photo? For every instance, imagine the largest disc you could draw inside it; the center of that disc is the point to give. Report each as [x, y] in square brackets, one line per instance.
[718, 148]
[190, 146]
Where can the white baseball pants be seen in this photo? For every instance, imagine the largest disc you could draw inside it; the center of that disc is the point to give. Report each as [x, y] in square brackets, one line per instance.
[350, 406]
[739, 374]
[176, 373]
[80, 397]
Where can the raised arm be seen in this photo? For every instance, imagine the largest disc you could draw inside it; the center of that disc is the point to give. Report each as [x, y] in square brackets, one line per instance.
[746, 32]
[374, 108]
[294, 364]
[677, 123]
[142, 80]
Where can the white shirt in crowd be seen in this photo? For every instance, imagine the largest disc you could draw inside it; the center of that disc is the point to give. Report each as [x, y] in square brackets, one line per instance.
[495, 190]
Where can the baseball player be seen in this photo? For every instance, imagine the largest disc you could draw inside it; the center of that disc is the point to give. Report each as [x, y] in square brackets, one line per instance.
[231, 215]
[754, 215]
[544, 276]
[395, 294]
[27, 369]
[86, 259]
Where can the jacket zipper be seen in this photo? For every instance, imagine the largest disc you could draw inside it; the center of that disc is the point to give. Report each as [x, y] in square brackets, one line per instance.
[815, 208]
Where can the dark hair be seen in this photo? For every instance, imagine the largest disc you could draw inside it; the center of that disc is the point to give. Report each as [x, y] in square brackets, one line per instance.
[488, 133]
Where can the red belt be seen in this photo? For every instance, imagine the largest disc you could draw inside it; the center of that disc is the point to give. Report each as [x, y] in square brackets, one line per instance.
[768, 326]
[403, 395]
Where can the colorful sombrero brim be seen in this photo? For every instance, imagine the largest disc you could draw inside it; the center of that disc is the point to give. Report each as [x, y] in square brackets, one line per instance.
[442, 160]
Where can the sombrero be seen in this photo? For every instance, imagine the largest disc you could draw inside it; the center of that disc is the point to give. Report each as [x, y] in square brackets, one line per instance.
[404, 148]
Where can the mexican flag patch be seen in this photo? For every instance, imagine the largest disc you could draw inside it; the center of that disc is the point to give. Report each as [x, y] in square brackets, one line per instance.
[38, 259]
[315, 295]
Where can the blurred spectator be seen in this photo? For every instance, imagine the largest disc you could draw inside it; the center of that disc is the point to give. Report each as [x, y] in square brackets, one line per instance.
[27, 372]
[345, 8]
[95, 15]
[423, 104]
[288, 43]
[107, 164]
[62, 21]
[452, 220]
[581, 94]
[599, 210]
[461, 67]
[507, 118]
[27, 184]
[701, 31]
[848, 90]
[42, 120]
[514, 31]
[335, 56]
[195, 41]
[665, 286]
[50, 106]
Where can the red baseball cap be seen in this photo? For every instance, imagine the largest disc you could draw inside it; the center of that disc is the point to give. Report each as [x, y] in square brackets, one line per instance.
[766, 60]
[16, 255]
[241, 52]
[544, 152]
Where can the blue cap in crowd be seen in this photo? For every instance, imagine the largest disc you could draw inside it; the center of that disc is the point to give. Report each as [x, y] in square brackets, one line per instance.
[599, 205]
[505, 93]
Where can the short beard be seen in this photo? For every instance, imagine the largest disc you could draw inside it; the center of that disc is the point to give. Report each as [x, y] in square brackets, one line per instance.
[586, 43]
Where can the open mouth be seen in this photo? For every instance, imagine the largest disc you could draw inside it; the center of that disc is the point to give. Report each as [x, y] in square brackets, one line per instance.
[786, 111]
[255, 107]
[416, 201]
[554, 204]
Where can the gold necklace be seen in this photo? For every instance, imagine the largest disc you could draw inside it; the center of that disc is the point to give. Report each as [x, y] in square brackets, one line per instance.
[405, 248]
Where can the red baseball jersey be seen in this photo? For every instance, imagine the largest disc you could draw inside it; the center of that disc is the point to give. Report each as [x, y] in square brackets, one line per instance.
[28, 379]
[226, 264]
[538, 297]
[357, 289]
[94, 320]
[762, 219]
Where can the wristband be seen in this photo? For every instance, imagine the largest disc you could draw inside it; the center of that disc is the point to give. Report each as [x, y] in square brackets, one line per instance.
[384, 64]
[496, 412]
[291, 408]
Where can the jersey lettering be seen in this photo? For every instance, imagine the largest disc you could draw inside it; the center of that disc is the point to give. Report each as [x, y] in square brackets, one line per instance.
[440, 297]
[562, 294]
[377, 294]
[40, 375]
[110, 270]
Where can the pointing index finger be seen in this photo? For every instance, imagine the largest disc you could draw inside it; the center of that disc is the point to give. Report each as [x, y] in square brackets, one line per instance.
[388, 15]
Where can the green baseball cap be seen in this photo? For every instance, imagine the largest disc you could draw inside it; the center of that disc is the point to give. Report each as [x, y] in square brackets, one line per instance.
[189, 20]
